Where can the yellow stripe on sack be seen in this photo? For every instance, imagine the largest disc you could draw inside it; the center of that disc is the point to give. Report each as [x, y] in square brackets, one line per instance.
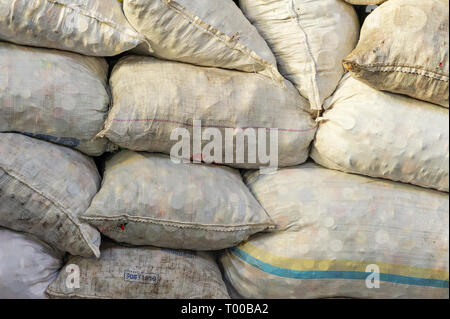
[341, 265]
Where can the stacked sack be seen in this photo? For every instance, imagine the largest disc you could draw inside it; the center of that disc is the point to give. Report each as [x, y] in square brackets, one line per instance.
[54, 106]
[52, 97]
[170, 122]
[371, 236]
[53, 103]
[216, 70]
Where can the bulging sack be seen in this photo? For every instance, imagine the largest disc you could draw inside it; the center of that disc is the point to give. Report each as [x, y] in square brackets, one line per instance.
[309, 40]
[43, 190]
[53, 95]
[27, 265]
[208, 33]
[90, 27]
[369, 132]
[343, 235]
[156, 102]
[142, 273]
[404, 49]
[147, 199]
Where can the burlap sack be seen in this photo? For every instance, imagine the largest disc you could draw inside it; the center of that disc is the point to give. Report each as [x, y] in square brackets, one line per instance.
[343, 235]
[208, 33]
[43, 190]
[153, 98]
[90, 27]
[384, 135]
[27, 265]
[53, 95]
[146, 199]
[309, 40]
[404, 49]
[141, 273]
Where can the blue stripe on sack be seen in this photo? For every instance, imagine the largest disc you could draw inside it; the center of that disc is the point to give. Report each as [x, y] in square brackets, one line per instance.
[319, 274]
[65, 141]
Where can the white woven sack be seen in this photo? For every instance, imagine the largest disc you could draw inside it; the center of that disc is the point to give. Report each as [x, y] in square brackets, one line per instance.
[155, 98]
[27, 266]
[141, 273]
[57, 96]
[208, 33]
[379, 134]
[309, 40]
[343, 235]
[90, 27]
[43, 190]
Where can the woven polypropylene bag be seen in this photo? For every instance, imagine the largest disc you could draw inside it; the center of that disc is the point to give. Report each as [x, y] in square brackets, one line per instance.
[27, 265]
[404, 49]
[142, 273]
[208, 33]
[343, 235]
[44, 188]
[309, 40]
[379, 134]
[90, 27]
[153, 98]
[58, 96]
[147, 199]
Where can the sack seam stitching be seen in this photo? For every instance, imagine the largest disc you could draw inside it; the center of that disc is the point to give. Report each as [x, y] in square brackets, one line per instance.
[222, 37]
[19, 177]
[179, 224]
[52, 292]
[311, 56]
[378, 67]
